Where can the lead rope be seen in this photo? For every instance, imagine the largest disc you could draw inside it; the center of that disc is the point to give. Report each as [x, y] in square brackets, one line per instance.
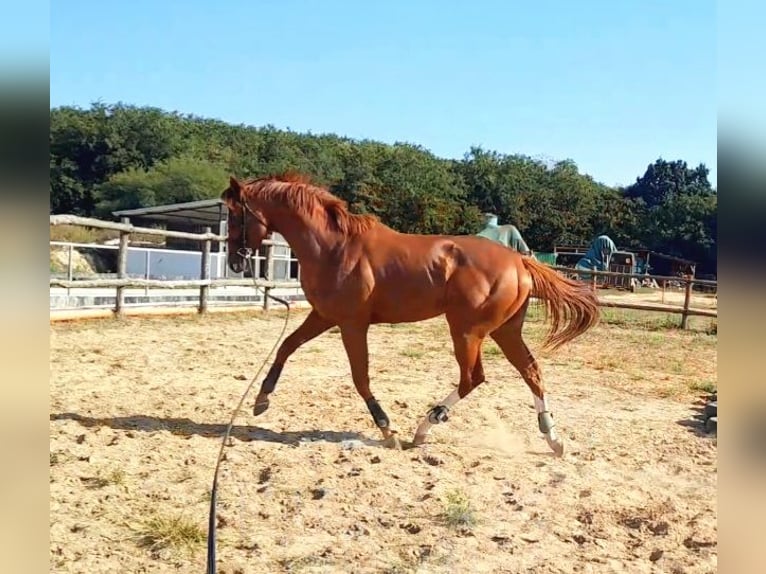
[246, 254]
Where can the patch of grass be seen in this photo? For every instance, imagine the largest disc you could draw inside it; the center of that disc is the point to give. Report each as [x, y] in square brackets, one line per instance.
[302, 562]
[159, 532]
[115, 477]
[643, 339]
[78, 234]
[492, 351]
[414, 558]
[650, 321]
[458, 511]
[708, 387]
[676, 366]
[608, 363]
[668, 392]
[412, 353]
[635, 319]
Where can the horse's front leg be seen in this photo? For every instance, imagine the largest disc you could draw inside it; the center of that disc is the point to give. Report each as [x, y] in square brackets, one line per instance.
[313, 326]
[355, 342]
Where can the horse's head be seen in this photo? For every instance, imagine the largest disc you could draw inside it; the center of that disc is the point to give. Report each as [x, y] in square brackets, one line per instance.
[247, 225]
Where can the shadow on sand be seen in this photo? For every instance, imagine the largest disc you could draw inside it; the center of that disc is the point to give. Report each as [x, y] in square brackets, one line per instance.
[187, 427]
[696, 422]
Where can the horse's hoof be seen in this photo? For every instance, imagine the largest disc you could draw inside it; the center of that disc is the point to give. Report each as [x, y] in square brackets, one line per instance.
[419, 439]
[260, 408]
[392, 442]
[557, 446]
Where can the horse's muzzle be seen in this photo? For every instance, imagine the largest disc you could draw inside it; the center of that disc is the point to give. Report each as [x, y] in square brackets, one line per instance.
[235, 264]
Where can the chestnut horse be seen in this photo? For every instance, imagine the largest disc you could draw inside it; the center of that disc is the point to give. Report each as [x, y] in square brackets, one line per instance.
[356, 271]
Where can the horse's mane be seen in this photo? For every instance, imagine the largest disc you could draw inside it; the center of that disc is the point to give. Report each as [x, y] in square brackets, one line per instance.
[297, 192]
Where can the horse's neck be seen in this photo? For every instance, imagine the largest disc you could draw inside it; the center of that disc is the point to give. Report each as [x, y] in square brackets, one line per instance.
[310, 243]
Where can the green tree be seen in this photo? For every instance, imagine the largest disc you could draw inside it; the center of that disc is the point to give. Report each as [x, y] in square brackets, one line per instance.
[175, 181]
[665, 180]
[675, 211]
[419, 193]
[110, 157]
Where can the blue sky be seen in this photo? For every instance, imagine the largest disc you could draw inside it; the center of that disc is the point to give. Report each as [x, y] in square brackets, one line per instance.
[611, 85]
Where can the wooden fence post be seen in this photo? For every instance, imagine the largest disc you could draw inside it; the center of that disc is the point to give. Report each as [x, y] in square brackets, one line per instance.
[69, 270]
[147, 270]
[269, 275]
[687, 303]
[204, 290]
[122, 266]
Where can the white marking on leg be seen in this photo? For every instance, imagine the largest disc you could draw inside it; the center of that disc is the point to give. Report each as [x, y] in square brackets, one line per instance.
[451, 399]
[541, 405]
[425, 425]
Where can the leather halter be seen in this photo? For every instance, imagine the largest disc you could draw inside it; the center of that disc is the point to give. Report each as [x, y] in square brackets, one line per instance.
[244, 250]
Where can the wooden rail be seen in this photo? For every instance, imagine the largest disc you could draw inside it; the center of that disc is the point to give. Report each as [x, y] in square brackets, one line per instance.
[130, 228]
[162, 284]
[123, 282]
[657, 278]
[688, 282]
[205, 282]
[686, 312]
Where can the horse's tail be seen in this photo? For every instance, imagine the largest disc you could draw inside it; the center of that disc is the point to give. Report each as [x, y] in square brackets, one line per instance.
[572, 305]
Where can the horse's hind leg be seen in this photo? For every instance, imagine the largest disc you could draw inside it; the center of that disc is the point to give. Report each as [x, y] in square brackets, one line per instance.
[468, 354]
[477, 376]
[508, 338]
[312, 326]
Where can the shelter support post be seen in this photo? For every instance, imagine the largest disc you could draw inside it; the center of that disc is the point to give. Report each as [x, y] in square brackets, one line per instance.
[204, 290]
[687, 303]
[269, 274]
[122, 266]
[147, 270]
[69, 267]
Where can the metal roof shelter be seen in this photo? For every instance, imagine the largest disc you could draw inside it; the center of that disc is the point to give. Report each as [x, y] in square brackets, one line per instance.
[191, 216]
[204, 212]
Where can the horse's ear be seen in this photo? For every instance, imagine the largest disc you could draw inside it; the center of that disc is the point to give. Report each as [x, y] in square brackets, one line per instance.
[235, 188]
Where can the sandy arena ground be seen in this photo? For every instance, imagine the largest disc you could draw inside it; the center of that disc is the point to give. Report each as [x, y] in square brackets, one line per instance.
[138, 409]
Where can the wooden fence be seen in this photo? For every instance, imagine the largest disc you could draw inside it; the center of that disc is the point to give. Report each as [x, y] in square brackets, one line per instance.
[205, 282]
[687, 284]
